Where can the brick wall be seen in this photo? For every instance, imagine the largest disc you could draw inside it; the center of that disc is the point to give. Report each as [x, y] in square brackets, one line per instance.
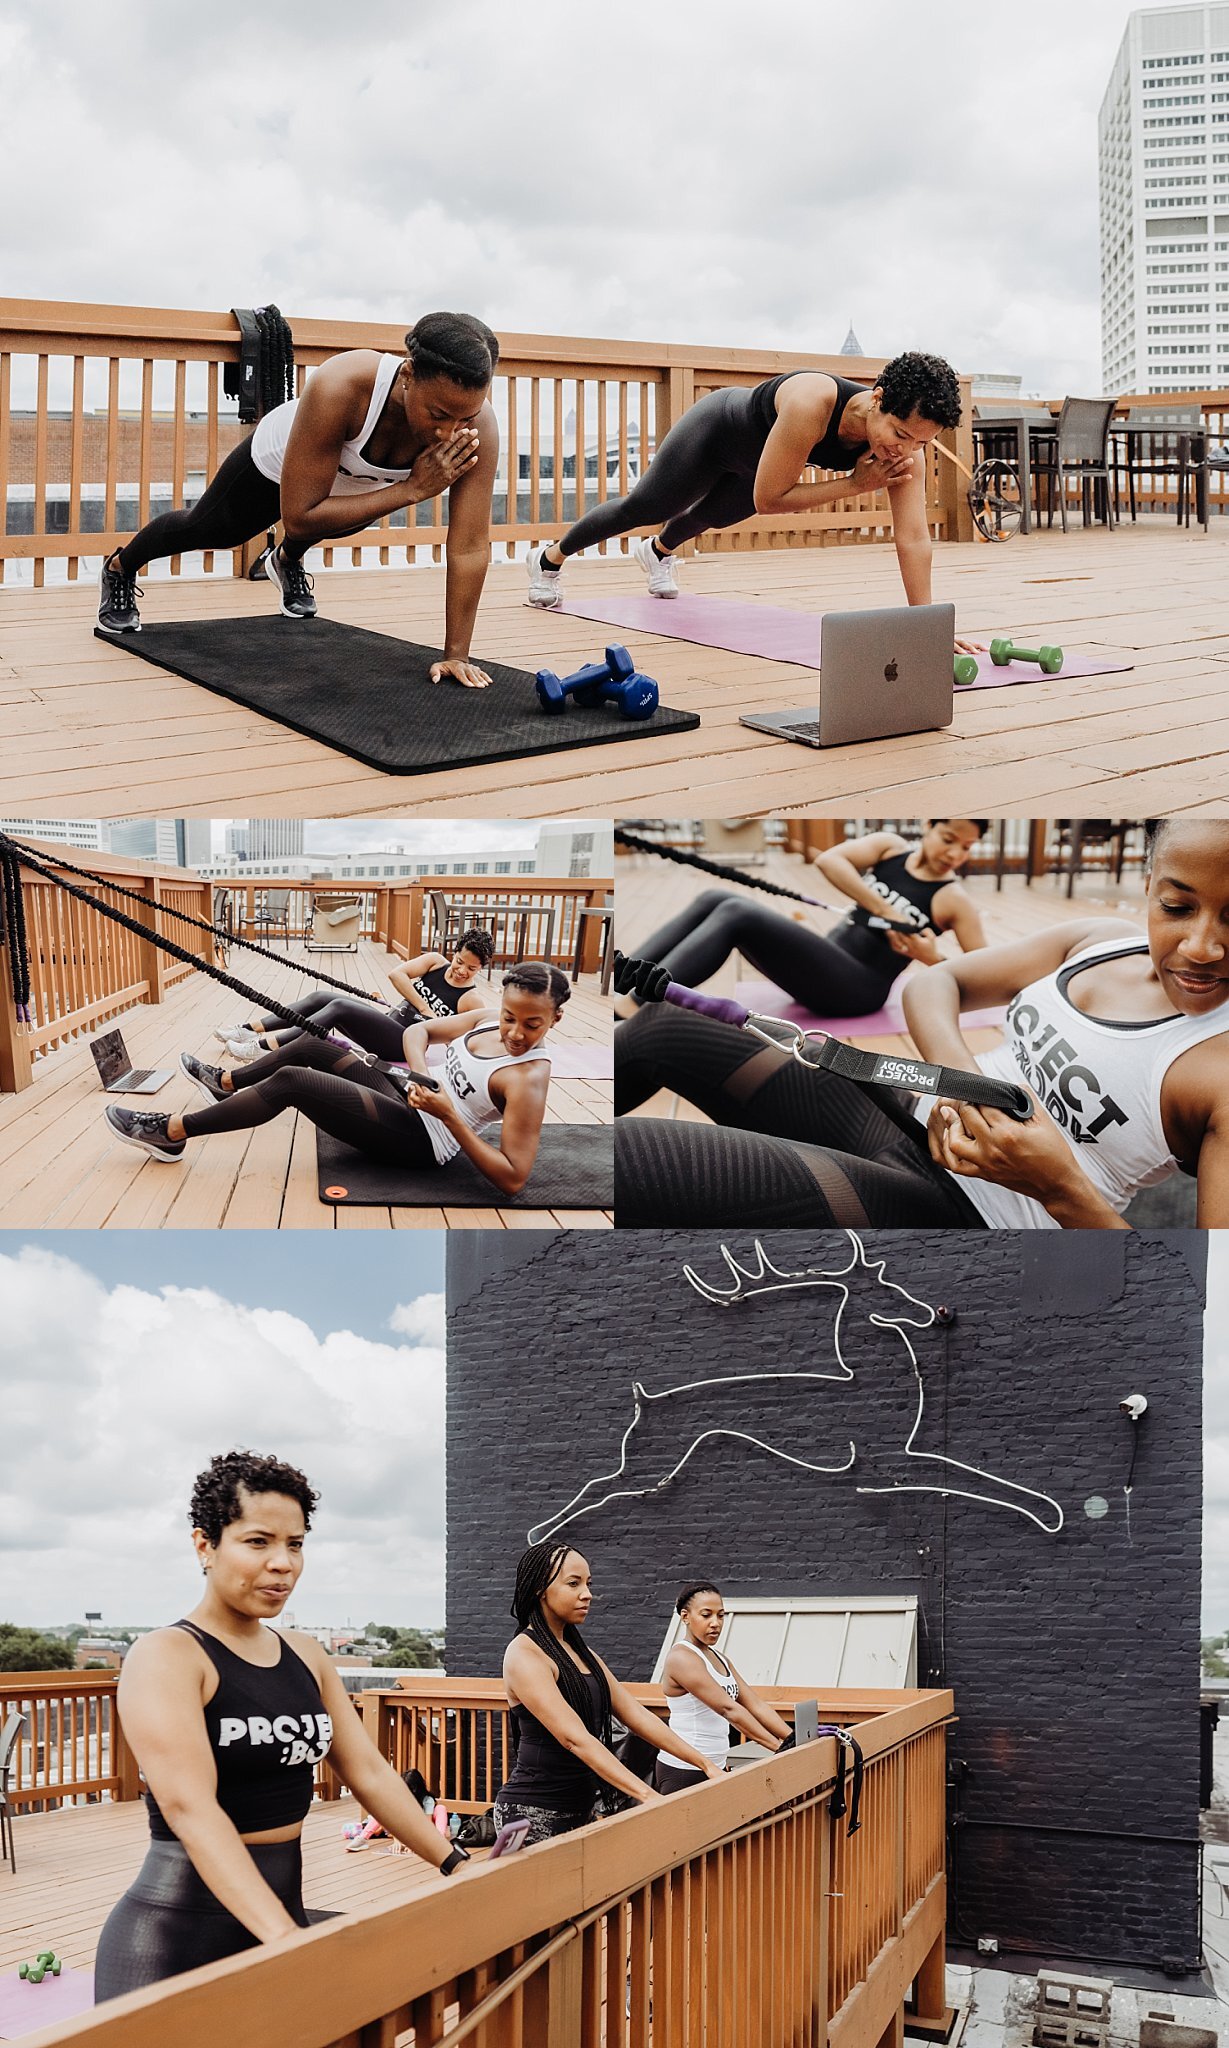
[1074, 1656]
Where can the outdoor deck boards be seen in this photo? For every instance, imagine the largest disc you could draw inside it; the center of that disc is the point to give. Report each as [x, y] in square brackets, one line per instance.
[87, 728]
[60, 1166]
[74, 1863]
[648, 891]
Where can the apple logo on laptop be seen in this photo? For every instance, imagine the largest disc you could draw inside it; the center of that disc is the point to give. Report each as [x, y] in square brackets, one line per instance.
[890, 672]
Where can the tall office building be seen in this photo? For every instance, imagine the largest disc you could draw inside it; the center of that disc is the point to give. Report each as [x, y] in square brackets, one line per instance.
[157, 839]
[1163, 145]
[90, 834]
[271, 839]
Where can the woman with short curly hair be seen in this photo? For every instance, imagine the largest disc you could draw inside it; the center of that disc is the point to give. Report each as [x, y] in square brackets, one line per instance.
[739, 451]
[228, 1720]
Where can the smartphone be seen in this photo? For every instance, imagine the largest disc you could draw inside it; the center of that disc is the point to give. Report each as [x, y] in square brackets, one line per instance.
[511, 1836]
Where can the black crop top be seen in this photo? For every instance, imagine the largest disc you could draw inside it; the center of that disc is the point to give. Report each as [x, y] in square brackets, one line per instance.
[892, 880]
[267, 1729]
[441, 998]
[547, 1774]
[831, 452]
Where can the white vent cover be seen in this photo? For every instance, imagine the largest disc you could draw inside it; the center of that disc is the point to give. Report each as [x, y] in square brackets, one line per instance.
[816, 1643]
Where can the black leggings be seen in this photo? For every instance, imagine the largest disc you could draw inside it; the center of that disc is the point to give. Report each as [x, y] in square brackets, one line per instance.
[377, 1030]
[169, 1921]
[334, 1090]
[702, 476]
[789, 1145]
[815, 970]
[238, 503]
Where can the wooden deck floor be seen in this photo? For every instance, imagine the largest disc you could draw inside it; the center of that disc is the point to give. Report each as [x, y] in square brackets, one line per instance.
[73, 1864]
[61, 1167]
[648, 891]
[86, 728]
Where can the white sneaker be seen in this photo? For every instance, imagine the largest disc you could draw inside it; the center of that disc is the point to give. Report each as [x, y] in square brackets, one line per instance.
[225, 1032]
[662, 575]
[543, 580]
[245, 1049]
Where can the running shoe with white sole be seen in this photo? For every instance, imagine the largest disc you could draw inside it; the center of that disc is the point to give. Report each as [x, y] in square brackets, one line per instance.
[207, 1079]
[295, 584]
[238, 1039]
[245, 1049]
[117, 601]
[225, 1032]
[662, 573]
[146, 1128]
[544, 588]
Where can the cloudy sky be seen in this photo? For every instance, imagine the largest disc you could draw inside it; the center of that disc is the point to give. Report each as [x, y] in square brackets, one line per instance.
[118, 1387]
[692, 173]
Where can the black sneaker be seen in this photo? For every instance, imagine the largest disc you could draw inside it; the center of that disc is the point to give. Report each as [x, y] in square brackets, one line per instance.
[294, 583]
[118, 594]
[207, 1079]
[146, 1128]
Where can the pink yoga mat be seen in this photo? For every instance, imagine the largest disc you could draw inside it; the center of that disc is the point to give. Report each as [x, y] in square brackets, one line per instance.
[771, 633]
[773, 1002]
[25, 2008]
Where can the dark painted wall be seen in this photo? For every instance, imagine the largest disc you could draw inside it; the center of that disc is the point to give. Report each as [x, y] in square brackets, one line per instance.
[1074, 1656]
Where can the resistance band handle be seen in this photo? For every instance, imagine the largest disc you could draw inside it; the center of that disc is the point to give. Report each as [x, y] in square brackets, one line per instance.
[896, 1070]
[650, 983]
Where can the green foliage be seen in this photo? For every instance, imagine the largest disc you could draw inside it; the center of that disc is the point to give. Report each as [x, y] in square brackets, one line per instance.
[24, 1649]
[408, 1648]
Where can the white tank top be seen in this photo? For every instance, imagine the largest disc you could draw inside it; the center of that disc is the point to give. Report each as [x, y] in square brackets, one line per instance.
[1100, 1082]
[467, 1079]
[703, 1727]
[355, 471]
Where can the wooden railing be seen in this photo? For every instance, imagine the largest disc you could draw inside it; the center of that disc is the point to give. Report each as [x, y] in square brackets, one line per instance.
[111, 413]
[1156, 492]
[72, 1746]
[84, 968]
[739, 1913]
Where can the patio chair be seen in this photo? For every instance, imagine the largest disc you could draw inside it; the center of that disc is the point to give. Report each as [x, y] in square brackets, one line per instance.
[9, 1735]
[1081, 449]
[448, 921]
[1166, 451]
[273, 913]
[336, 926]
[605, 913]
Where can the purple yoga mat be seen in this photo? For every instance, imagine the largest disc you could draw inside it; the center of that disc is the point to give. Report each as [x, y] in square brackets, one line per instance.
[771, 633]
[26, 2008]
[773, 1002]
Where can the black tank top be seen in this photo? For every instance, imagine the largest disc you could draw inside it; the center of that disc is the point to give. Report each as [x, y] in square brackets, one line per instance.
[441, 998]
[892, 880]
[831, 452]
[267, 1729]
[547, 1774]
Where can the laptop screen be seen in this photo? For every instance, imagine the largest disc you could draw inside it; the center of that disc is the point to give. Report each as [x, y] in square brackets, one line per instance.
[110, 1057]
[806, 1721]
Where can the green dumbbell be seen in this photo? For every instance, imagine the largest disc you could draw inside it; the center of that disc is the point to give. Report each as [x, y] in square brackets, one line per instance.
[964, 668]
[1048, 658]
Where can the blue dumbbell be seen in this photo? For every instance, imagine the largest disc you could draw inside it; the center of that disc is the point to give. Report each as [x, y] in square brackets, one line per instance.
[614, 681]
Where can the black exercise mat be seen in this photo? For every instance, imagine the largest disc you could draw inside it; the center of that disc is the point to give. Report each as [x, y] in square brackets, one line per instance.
[574, 1169]
[369, 696]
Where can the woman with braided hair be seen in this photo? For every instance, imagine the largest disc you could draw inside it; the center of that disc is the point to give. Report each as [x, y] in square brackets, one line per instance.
[431, 985]
[371, 434]
[849, 971]
[562, 1696]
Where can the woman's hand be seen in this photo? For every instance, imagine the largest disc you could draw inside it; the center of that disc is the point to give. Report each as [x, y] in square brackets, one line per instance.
[651, 1797]
[460, 669]
[872, 472]
[985, 1144]
[715, 1772]
[433, 1102]
[921, 946]
[970, 647]
[443, 462]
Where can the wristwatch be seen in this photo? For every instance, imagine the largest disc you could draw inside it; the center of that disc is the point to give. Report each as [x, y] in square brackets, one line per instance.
[453, 1861]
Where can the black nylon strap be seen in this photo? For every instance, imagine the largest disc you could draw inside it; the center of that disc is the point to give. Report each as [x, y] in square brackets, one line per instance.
[897, 1070]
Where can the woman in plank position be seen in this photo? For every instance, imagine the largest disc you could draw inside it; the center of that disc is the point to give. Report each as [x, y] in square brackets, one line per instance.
[431, 985]
[1121, 1036]
[739, 451]
[496, 1071]
[371, 434]
[706, 1696]
[562, 1695]
[228, 1719]
[847, 972]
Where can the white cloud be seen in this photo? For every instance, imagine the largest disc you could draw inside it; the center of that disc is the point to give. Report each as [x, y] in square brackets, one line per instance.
[421, 1319]
[115, 1397]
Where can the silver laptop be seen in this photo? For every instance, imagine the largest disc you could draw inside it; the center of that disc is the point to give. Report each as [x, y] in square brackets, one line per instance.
[884, 672]
[116, 1071]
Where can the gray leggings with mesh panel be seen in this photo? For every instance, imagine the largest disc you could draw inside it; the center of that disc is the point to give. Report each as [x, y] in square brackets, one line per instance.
[702, 476]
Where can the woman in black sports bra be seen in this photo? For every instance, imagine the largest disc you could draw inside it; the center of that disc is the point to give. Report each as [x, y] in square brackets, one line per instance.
[849, 971]
[739, 451]
[561, 1696]
[228, 1720]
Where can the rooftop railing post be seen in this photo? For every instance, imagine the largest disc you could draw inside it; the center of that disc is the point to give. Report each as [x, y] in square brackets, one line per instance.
[16, 1057]
[123, 1762]
[153, 960]
[930, 2012]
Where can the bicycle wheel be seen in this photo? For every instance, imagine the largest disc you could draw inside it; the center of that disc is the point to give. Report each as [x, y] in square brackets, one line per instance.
[994, 500]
